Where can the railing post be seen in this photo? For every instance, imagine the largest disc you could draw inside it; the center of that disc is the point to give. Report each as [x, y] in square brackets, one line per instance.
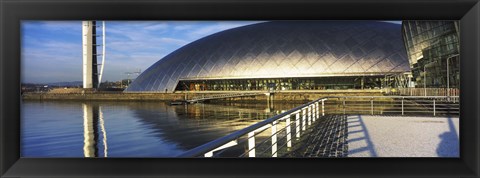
[304, 118]
[297, 124]
[310, 109]
[323, 107]
[274, 138]
[251, 144]
[309, 115]
[317, 113]
[289, 132]
[371, 104]
[314, 113]
[402, 105]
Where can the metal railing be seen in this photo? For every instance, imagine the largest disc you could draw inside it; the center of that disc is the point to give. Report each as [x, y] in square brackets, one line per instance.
[221, 96]
[295, 123]
[394, 105]
[305, 115]
[75, 93]
[424, 91]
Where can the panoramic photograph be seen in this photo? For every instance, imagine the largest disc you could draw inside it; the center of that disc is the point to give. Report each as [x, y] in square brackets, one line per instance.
[240, 89]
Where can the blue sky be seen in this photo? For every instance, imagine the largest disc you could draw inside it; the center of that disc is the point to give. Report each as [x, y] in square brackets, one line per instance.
[52, 50]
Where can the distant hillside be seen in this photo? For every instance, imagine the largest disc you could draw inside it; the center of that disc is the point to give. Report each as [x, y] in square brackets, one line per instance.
[66, 84]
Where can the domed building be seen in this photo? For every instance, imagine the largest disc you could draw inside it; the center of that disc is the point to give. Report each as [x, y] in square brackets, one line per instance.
[283, 55]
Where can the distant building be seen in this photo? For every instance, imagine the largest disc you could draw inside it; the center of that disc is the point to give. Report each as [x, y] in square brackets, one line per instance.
[283, 55]
[430, 46]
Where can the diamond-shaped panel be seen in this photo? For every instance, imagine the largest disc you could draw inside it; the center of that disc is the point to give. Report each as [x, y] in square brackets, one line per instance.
[282, 48]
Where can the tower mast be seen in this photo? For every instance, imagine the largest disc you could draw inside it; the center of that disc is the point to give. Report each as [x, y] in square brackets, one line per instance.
[91, 77]
[90, 73]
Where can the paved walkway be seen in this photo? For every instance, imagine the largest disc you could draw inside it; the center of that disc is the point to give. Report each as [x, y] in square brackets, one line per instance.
[383, 136]
[328, 138]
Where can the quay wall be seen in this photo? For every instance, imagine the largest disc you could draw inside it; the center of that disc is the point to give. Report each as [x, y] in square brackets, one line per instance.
[119, 96]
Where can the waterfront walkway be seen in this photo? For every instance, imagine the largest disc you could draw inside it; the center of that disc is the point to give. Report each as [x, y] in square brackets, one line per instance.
[382, 136]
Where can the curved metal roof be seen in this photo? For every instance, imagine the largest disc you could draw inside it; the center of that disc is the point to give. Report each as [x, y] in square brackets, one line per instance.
[282, 49]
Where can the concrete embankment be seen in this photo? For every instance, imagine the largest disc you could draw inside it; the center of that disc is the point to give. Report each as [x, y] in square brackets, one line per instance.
[105, 96]
[119, 96]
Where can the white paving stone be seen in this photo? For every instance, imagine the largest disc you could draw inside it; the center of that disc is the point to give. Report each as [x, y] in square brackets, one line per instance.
[385, 136]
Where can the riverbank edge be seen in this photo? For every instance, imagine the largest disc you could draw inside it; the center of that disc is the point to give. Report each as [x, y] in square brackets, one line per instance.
[120, 96]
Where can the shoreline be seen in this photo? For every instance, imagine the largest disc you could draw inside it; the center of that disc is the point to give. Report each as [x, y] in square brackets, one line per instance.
[120, 96]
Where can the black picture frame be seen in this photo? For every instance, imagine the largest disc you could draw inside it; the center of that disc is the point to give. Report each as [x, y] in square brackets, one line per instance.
[13, 11]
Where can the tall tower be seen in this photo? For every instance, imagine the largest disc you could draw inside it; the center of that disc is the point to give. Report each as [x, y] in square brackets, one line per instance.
[90, 72]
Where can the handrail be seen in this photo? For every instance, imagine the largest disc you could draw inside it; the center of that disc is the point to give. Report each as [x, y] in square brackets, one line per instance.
[391, 97]
[429, 104]
[232, 139]
[198, 98]
[200, 150]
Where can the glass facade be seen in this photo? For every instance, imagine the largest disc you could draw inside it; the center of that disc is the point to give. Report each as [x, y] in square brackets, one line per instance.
[324, 83]
[296, 54]
[432, 47]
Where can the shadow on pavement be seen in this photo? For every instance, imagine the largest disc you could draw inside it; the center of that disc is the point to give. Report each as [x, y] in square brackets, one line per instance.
[356, 126]
[449, 144]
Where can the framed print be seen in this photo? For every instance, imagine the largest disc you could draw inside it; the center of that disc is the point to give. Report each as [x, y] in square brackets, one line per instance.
[239, 89]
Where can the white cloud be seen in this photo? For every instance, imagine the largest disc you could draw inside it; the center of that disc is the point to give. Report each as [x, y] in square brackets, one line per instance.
[217, 27]
[131, 45]
[69, 27]
[42, 67]
[115, 70]
[173, 41]
[156, 27]
[183, 27]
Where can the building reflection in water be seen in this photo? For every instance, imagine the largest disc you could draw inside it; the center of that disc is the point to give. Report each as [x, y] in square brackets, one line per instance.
[181, 127]
[189, 126]
[102, 127]
[92, 121]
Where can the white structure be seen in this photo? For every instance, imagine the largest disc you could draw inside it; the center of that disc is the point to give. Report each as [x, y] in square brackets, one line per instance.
[103, 55]
[91, 76]
[89, 57]
[92, 121]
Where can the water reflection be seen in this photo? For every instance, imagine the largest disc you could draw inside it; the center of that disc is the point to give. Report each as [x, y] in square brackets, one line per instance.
[135, 129]
[92, 120]
[192, 125]
[102, 127]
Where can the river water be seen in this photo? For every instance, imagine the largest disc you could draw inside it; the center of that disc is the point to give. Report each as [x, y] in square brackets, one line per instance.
[131, 129]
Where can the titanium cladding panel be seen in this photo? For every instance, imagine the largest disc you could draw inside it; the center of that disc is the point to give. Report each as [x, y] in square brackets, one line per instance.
[282, 49]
